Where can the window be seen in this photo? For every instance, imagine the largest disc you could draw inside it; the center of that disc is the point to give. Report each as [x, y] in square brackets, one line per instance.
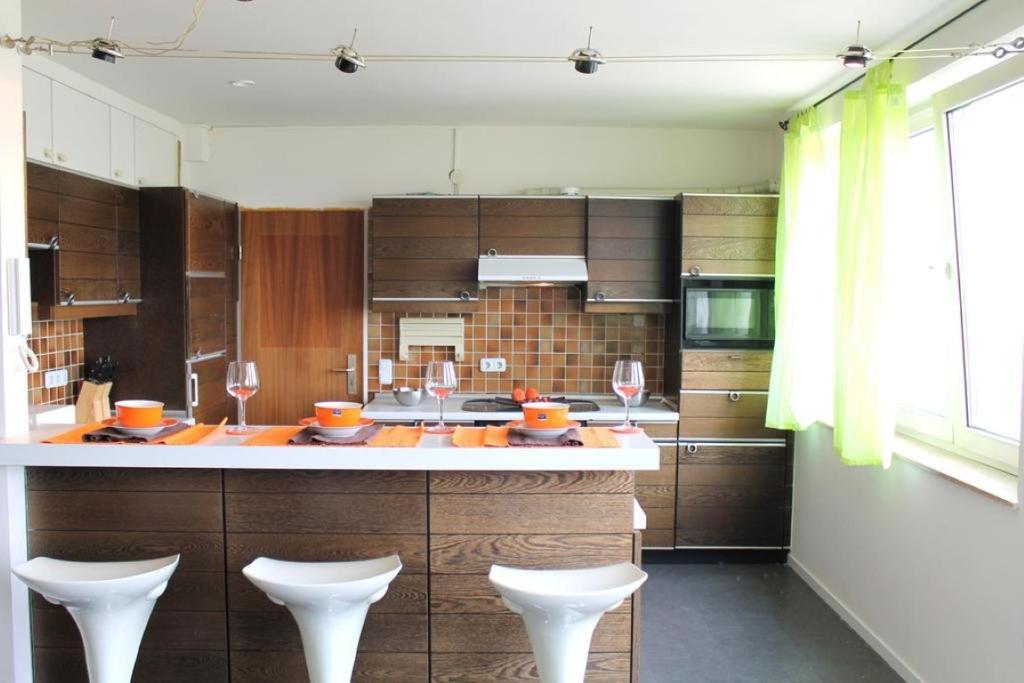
[962, 276]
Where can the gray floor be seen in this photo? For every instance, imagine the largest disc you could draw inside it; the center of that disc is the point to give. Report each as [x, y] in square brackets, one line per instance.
[753, 622]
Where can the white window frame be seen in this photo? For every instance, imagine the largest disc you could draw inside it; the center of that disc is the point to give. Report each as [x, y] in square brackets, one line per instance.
[950, 431]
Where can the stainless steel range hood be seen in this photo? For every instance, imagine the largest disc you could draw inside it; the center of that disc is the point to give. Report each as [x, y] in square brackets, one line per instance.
[535, 271]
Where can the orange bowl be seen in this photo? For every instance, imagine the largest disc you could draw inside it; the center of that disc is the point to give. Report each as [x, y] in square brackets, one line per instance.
[139, 414]
[338, 413]
[545, 414]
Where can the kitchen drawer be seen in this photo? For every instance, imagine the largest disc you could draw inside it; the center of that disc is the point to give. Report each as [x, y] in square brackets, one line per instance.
[731, 527]
[733, 454]
[729, 496]
[724, 415]
[727, 360]
[651, 292]
[396, 289]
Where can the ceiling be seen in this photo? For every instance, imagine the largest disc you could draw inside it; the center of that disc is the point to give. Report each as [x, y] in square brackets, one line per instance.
[722, 95]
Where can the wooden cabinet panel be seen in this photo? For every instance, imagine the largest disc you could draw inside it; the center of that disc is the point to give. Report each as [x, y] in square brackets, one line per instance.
[728, 249]
[533, 226]
[87, 290]
[612, 291]
[722, 404]
[206, 298]
[79, 238]
[733, 495]
[728, 428]
[727, 360]
[43, 205]
[41, 231]
[475, 553]
[207, 234]
[76, 265]
[730, 205]
[87, 212]
[206, 334]
[425, 206]
[710, 267]
[539, 206]
[757, 227]
[424, 249]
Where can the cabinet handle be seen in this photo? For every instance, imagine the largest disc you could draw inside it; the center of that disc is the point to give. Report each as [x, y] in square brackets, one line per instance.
[600, 296]
[48, 153]
[125, 297]
[118, 173]
[193, 381]
[734, 396]
[464, 296]
[61, 156]
[695, 271]
[141, 180]
[68, 296]
[735, 356]
[492, 252]
[54, 242]
[691, 448]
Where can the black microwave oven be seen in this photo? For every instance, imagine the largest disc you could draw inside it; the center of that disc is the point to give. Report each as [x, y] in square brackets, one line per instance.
[728, 314]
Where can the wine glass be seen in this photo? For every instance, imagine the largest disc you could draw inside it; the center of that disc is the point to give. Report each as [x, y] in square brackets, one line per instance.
[441, 381]
[627, 382]
[243, 382]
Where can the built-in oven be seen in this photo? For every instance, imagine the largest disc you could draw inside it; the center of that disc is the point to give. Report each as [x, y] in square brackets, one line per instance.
[728, 313]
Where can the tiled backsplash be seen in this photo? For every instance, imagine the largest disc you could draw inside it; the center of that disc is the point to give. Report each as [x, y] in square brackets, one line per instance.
[59, 344]
[541, 333]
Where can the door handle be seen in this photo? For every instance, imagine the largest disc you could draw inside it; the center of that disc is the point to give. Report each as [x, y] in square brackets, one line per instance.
[352, 373]
[193, 380]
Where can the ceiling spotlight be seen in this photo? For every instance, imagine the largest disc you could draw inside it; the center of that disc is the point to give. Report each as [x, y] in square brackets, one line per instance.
[106, 49]
[856, 56]
[586, 59]
[346, 59]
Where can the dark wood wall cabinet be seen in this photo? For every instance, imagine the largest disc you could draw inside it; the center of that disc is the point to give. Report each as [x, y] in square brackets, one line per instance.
[424, 253]
[83, 238]
[533, 226]
[728, 235]
[632, 255]
[177, 348]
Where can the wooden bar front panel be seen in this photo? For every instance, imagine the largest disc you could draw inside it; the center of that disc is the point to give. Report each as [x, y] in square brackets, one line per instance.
[537, 519]
[314, 516]
[98, 514]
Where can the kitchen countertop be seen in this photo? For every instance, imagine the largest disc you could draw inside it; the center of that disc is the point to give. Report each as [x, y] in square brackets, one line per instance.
[221, 451]
[384, 406]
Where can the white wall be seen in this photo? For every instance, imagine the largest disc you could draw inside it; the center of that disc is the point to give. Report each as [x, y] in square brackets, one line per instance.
[344, 166]
[932, 570]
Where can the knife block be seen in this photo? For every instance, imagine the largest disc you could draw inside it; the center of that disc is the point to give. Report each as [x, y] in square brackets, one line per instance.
[93, 402]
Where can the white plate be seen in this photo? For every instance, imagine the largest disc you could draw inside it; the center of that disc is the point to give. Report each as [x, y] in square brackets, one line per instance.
[543, 432]
[334, 432]
[144, 432]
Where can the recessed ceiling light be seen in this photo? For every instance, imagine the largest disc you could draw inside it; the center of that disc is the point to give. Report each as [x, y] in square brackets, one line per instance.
[243, 83]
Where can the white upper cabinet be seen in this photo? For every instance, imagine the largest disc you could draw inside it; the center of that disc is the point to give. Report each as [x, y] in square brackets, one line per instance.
[81, 131]
[38, 121]
[156, 156]
[122, 146]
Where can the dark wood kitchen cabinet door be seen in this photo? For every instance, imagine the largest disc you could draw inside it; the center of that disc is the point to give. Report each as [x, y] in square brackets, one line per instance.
[632, 255]
[728, 235]
[423, 254]
[734, 495]
[302, 319]
[533, 226]
[83, 238]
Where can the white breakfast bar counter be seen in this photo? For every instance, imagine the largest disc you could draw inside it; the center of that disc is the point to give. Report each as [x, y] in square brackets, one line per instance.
[449, 512]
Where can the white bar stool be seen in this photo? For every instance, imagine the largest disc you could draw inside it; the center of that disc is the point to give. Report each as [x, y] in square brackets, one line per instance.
[109, 601]
[329, 601]
[561, 608]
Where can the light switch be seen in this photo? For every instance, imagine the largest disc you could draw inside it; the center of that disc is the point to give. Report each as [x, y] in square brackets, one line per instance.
[385, 371]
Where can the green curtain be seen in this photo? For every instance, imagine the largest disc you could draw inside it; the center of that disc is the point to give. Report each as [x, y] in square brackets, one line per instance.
[873, 161]
[800, 391]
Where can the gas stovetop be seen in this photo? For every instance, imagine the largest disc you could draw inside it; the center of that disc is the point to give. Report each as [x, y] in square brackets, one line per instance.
[500, 404]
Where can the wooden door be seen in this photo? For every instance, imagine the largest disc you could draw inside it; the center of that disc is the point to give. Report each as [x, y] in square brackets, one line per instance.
[302, 309]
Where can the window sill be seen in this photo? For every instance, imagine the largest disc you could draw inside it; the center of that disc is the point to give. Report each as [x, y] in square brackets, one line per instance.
[995, 484]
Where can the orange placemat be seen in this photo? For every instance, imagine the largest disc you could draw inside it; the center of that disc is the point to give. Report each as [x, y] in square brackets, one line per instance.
[75, 435]
[477, 437]
[273, 436]
[193, 434]
[399, 436]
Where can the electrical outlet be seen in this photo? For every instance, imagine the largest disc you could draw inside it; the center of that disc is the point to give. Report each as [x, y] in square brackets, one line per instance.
[55, 378]
[492, 365]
